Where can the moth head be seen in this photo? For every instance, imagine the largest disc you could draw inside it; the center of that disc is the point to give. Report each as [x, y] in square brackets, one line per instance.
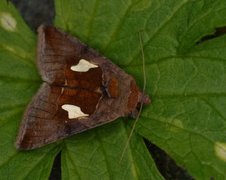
[143, 99]
[136, 100]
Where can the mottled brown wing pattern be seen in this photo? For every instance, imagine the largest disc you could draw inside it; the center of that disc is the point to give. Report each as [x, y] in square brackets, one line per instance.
[57, 52]
[45, 120]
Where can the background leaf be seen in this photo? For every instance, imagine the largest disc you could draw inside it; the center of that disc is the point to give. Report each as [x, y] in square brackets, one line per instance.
[97, 154]
[185, 79]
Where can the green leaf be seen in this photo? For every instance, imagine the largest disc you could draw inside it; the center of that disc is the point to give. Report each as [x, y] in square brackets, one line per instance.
[98, 154]
[185, 79]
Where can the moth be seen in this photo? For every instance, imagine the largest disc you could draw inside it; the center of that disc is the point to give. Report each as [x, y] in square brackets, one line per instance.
[81, 90]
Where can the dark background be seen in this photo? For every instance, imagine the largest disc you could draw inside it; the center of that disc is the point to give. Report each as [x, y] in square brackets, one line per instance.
[37, 12]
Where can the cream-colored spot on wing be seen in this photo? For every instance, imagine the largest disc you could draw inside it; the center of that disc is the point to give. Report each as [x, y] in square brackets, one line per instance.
[73, 111]
[220, 150]
[83, 66]
[7, 21]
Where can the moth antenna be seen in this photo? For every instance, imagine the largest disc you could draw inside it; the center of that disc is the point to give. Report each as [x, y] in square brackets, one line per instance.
[142, 103]
[143, 65]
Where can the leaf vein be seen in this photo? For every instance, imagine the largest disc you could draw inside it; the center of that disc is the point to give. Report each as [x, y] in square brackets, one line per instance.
[160, 27]
[118, 26]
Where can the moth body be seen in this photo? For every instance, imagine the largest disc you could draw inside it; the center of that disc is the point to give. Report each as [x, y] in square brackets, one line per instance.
[81, 90]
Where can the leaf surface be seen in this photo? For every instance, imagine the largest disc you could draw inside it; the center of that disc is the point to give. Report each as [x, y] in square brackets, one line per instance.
[186, 81]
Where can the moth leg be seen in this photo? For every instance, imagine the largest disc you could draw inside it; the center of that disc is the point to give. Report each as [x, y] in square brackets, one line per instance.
[134, 114]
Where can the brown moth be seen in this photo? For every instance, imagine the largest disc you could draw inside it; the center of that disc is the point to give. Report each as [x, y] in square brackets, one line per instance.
[81, 90]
